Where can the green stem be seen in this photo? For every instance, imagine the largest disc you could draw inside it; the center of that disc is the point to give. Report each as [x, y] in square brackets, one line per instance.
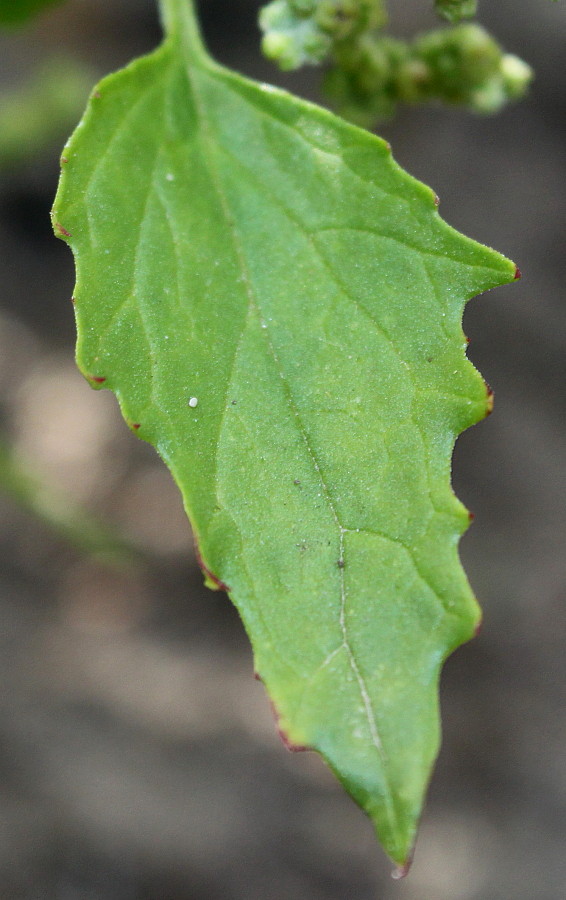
[180, 21]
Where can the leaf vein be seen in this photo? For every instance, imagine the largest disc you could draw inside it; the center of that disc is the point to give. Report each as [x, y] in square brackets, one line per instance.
[366, 699]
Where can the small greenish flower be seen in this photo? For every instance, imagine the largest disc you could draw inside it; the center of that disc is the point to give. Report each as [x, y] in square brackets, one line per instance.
[370, 72]
[456, 10]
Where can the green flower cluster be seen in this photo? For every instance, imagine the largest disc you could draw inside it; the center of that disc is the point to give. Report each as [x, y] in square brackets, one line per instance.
[305, 31]
[370, 72]
[462, 65]
[456, 10]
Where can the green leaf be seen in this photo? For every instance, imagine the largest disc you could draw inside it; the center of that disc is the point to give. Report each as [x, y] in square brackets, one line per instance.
[238, 247]
[15, 12]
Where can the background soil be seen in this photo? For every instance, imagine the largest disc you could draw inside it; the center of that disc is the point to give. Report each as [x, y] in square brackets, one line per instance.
[138, 757]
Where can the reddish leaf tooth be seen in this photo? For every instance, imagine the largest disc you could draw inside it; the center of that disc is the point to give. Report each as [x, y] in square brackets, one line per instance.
[293, 748]
[489, 399]
[210, 575]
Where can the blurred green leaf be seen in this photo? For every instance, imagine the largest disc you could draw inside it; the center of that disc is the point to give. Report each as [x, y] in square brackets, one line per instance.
[278, 306]
[56, 512]
[16, 12]
[43, 110]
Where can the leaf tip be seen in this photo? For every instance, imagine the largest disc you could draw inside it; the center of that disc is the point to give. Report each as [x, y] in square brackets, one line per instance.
[401, 870]
[518, 273]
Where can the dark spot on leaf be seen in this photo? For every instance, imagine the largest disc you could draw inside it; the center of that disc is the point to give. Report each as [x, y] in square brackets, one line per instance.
[64, 160]
[96, 95]
[136, 425]
[296, 481]
[234, 402]
[62, 230]
[478, 628]
[73, 299]
[340, 563]
[517, 273]
[471, 516]
[436, 199]
[99, 379]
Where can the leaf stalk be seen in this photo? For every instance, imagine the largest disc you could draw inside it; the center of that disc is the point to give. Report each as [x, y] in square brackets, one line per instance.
[180, 21]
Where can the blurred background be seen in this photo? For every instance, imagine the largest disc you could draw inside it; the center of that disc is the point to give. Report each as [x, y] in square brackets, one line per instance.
[138, 756]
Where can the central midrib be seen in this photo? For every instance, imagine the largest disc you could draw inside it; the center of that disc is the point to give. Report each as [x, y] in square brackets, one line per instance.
[194, 72]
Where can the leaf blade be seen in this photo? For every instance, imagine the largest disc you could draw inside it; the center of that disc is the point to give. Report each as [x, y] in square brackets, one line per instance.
[187, 192]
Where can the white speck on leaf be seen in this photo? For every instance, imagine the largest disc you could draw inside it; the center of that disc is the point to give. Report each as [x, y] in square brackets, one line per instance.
[193, 402]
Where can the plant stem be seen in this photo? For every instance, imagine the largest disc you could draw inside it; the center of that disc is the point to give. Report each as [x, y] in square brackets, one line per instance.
[180, 20]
